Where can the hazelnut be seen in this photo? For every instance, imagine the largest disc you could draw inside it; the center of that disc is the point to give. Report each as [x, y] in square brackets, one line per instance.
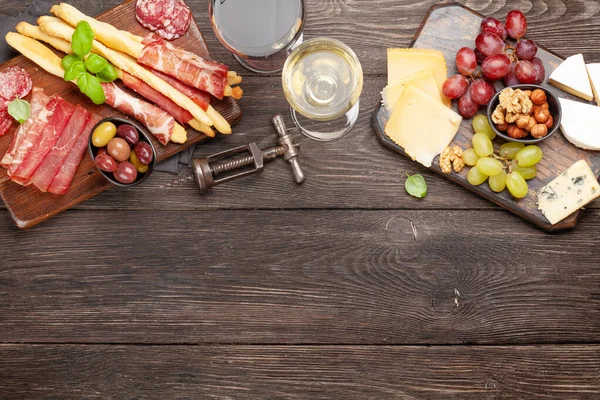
[539, 131]
[545, 106]
[516, 133]
[532, 123]
[541, 115]
[550, 122]
[523, 121]
[502, 127]
[538, 97]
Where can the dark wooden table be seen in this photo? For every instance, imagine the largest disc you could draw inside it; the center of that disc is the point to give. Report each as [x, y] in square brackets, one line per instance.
[344, 288]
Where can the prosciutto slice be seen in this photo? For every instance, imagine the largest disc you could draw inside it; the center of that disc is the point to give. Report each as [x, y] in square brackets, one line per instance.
[45, 173]
[159, 122]
[198, 96]
[189, 68]
[45, 140]
[61, 182]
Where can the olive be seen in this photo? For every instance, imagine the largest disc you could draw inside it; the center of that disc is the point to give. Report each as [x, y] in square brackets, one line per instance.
[102, 150]
[141, 168]
[105, 163]
[103, 134]
[129, 133]
[126, 173]
[119, 149]
[143, 151]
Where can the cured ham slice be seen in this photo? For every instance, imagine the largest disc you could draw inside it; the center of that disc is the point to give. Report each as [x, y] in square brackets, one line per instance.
[198, 96]
[159, 122]
[61, 182]
[46, 139]
[38, 102]
[45, 173]
[189, 68]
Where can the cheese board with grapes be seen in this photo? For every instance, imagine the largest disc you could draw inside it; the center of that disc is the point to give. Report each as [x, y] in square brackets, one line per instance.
[476, 101]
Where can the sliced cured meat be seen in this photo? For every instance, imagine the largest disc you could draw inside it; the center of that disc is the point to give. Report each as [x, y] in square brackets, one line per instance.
[6, 121]
[38, 103]
[155, 14]
[198, 96]
[182, 115]
[180, 24]
[47, 138]
[45, 173]
[14, 82]
[159, 122]
[158, 54]
[61, 182]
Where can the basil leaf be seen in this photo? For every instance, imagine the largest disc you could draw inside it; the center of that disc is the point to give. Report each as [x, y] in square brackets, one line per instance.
[19, 110]
[82, 39]
[75, 71]
[94, 63]
[92, 88]
[108, 74]
[416, 186]
[69, 60]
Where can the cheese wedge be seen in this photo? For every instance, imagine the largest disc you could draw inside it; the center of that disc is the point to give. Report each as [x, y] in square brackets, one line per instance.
[421, 125]
[403, 63]
[580, 124]
[594, 75]
[572, 77]
[571, 190]
[423, 80]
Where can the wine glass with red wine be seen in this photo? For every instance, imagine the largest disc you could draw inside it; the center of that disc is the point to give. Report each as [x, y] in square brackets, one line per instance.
[259, 33]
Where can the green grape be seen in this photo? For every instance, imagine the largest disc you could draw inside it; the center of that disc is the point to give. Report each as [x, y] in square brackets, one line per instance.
[526, 172]
[529, 156]
[482, 145]
[498, 182]
[510, 149]
[470, 157]
[482, 125]
[517, 185]
[475, 177]
[489, 166]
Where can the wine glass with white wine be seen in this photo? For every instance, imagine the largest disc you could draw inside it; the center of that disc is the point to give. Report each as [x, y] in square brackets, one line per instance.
[322, 81]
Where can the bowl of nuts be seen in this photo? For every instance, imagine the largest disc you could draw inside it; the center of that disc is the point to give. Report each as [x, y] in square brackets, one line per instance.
[524, 113]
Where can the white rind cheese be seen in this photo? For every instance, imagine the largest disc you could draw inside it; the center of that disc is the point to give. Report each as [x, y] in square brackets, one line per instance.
[572, 77]
[571, 190]
[580, 124]
[594, 74]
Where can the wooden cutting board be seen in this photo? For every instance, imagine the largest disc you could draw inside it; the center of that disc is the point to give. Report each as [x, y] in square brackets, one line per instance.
[27, 205]
[448, 27]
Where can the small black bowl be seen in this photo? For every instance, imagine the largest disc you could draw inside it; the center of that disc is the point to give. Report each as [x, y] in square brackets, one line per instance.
[144, 136]
[555, 110]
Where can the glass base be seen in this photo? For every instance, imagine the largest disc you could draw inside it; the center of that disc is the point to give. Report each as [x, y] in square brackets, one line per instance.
[271, 64]
[326, 131]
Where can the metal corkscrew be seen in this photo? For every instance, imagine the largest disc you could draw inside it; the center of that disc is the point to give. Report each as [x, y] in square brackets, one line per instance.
[219, 168]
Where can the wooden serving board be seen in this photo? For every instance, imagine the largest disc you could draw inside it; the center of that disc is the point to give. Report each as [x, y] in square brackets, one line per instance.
[27, 205]
[448, 27]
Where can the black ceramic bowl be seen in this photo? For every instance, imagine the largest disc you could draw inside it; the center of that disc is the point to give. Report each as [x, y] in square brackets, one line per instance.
[555, 110]
[144, 136]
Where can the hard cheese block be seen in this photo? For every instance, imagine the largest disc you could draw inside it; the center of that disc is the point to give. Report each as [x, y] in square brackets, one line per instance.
[572, 77]
[594, 75]
[423, 80]
[421, 125]
[571, 190]
[580, 124]
[403, 63]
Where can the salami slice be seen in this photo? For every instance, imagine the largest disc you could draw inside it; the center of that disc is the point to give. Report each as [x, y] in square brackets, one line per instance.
[14, 82]
[155, 14]
[180, 24]
[6, 121]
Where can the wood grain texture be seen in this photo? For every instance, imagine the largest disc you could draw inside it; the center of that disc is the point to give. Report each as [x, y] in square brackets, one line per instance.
[290, 372]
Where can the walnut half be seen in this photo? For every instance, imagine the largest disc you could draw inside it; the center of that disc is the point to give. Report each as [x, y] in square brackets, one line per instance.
[451, 158]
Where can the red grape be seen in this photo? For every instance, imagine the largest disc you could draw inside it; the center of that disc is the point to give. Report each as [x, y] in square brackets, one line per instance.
[525, 72]
[455, 86]
[466, 61]
[511, 79]
[489, 44]
[492, 25]
[540, 71]
[480, 56]
[466, 106]
[516, 24]
[496, 67]
[526, 49]
[481, 92]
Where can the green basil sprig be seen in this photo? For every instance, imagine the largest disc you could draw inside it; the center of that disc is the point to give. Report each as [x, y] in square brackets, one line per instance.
[416, 186]
[91, 87]
[19, 110]
[82, 39]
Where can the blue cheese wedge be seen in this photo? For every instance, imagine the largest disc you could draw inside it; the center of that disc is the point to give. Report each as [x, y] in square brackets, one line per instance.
[571, 190]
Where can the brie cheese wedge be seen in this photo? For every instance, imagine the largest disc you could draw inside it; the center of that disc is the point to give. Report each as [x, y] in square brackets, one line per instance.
[594, 74]
[572, 77]
[580, 124]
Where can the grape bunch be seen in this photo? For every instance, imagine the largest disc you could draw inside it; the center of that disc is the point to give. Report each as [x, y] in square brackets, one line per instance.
[512, 166]
[498, 60]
